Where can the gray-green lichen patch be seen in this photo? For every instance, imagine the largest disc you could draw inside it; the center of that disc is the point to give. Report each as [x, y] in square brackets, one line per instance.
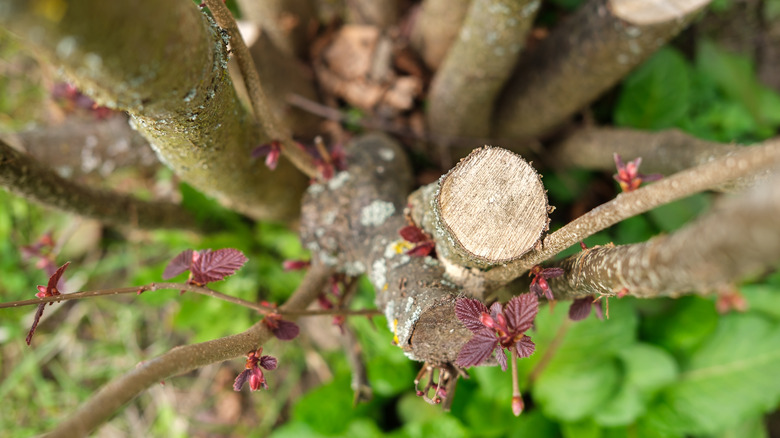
[338, 180]
[386, 154]
[376, 213]
[354, 269]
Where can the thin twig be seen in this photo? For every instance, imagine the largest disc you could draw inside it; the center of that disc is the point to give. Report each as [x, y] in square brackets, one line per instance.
[745, 162]
[181, 360]
[265, 310]
[275, 129]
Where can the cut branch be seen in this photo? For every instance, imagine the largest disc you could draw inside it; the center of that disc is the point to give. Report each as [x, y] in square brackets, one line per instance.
[739, 237]
[489, 209]
[584, 56]
[477, 66]
[27, 178]
[739, 164]
[181, 360]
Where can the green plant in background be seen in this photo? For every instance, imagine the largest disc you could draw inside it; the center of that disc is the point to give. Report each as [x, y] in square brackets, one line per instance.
[652, 368]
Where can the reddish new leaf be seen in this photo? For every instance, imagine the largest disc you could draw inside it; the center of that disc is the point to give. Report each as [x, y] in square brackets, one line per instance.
[521, 311]
[38, 314]
[413, 234]
[525, 347]
[501, 358]
[51, 290]
[286, 330]
[422, 249]
[241, 379]
[469, 311]
[179, 264]
[580, 308]
[268, 362]
[209, 266]
[477, 349]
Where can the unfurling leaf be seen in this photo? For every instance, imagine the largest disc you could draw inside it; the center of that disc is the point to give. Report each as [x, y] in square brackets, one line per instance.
[469, 311]
[50, 291]
[477, 349]
[210, 266]
[413, 234]
[179, 264]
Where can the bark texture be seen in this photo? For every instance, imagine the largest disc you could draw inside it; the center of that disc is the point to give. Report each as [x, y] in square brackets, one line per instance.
[289, 24]
[664, 152]
[739, 237]
[436, 28]
[26, 177]
[352, 223]
[80, 146]
[477, 66]
[584, 56]
[167, 69]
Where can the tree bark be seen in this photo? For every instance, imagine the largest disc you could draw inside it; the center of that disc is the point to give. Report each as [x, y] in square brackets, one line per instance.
[436, 28]
[289, 24]
[27, 178]
[737, 238]
[477, 65]
[664, 152]
[165, 64]
[586, 54]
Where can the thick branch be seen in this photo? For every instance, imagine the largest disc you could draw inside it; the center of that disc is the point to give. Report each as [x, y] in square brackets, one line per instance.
[289, 24]
[436, 28]
[739, 164]
[172, 80]
[83, 146]
[584, 56]
[739, 237]
[27, 178]
[477, 66]
[664, 152]
[260, 104]
[180, 360]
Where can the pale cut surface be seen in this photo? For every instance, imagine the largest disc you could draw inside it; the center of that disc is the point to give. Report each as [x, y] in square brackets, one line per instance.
[493, 203]
[648, 12]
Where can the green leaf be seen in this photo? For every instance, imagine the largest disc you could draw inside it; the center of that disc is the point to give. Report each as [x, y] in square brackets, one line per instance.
[672, 216]
[328, 409]
[763, 298]
[656, 95]
[680, 325]
[533, 424]
[648, 368]
[581, 429]
[444, 426]
[731, 377]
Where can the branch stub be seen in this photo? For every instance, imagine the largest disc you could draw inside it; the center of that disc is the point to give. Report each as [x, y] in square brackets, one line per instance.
[492, 208]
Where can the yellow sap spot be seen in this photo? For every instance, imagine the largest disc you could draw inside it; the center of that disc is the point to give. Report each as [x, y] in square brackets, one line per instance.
[395, 332]
[402, 246]
[384, 288]
[52, 10]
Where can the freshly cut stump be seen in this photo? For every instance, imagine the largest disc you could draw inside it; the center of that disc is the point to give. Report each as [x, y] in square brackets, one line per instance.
[490, 209]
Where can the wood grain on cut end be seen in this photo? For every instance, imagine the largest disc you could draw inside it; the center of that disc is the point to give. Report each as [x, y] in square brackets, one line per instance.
[494, 205]
[644, 12]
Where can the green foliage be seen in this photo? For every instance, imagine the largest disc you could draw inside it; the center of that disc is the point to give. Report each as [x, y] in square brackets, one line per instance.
[718, 97]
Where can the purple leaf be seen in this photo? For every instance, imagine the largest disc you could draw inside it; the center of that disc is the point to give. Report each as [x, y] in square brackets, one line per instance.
[179, 264]
[501, 358]
[241, 380]
[525, 347]
[422, 249]
[521, 311]
[285, 330]
[268, 362]
[495, 309]
[469, 311]
[580, 308]
[38, 314]
[413, 234]
[599, 311]
[210, 266]
[552, 272]
[477, 349]
[51, 287]
[261, 151]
